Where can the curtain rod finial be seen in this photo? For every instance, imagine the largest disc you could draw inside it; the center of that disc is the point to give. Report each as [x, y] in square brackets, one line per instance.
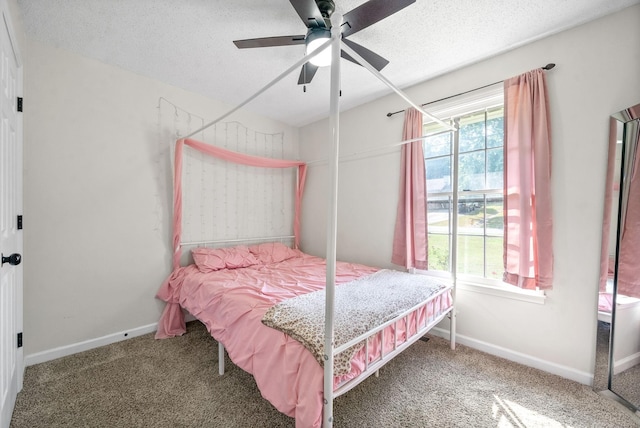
[549, 66]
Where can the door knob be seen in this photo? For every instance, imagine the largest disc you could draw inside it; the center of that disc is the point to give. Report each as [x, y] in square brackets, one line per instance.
[14, 259]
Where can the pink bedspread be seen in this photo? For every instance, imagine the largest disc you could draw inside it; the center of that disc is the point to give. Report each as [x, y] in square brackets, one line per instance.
[605, 302]
[232, 302]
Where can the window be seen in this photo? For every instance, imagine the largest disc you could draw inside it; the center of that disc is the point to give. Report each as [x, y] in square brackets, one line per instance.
[467, 169]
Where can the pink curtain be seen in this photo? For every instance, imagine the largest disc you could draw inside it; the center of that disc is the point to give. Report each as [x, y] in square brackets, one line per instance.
[410, 236]
[171, 321]
[528, 249]
[628, 267]
[605, 262]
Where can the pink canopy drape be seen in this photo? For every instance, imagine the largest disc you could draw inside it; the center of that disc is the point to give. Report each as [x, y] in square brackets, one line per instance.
[528, 245]
[172, 319]
[235, 157]
[410, 236]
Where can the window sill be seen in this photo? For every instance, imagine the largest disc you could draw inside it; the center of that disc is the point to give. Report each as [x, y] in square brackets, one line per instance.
[504, 291]
[475, 285]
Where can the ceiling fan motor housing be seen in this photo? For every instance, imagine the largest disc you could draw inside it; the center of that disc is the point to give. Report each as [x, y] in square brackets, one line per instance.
[326, 7]
[317, 33]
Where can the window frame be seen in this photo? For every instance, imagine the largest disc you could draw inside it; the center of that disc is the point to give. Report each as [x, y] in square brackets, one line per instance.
[457, 106]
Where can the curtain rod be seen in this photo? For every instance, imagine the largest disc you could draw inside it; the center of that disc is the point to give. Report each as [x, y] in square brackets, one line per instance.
[546, 67]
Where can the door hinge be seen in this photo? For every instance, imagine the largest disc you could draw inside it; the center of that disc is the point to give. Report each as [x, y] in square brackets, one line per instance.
[20, 340]
[19, 104]
[19, 222]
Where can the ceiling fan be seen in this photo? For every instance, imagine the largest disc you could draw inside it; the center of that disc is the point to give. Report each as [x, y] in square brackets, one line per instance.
[316, 16]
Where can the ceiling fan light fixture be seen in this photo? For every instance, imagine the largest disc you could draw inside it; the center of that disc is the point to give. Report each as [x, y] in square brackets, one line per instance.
[315, 39]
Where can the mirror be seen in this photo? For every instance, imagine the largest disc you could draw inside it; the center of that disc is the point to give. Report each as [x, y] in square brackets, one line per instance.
[617, 371]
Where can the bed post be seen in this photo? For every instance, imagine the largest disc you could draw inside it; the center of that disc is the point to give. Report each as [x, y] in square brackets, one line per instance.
[220, 358]
[327, 414]
[452, 318]
[363, 62]
[267, 86]
[454, 243]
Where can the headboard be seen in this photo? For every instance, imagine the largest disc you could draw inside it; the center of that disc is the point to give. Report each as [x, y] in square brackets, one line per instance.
[224, 202]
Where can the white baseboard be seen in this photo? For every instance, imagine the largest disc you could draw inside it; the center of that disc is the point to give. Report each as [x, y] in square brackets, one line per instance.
[626, 363]
[518, 357]
[63, 351]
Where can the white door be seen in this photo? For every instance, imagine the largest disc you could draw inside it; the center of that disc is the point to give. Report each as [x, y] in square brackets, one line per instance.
[11, 358]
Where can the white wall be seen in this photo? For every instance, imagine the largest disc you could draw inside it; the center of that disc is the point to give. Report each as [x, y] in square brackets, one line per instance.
[97, 210]
[16, 23]
[597, 74]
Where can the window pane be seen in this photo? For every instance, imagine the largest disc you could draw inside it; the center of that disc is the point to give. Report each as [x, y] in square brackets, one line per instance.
[472, 132]
[437, 145]
[495, 128]
[471, 255]
[495, 168]
[438, 172]
[439, 215]
[439, 250]
[471, 171]
[495, 215]
[471, 215]
[439, 223]
[495, 261]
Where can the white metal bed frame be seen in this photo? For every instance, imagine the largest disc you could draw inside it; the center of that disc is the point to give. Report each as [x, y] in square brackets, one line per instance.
[371, 367]
[336, 45]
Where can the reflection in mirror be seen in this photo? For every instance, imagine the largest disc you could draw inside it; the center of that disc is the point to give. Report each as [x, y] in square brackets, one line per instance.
[617, 371]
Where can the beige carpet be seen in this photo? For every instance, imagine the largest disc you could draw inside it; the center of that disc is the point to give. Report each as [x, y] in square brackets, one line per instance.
[144, 382]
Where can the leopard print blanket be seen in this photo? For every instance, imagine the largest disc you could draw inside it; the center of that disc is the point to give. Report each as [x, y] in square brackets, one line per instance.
[360, 306]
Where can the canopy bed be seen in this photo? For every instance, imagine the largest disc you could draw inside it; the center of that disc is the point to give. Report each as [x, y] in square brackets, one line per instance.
[255, 297]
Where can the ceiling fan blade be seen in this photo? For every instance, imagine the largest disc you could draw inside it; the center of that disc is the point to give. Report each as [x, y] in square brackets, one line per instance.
[307, 73]
[371, 12]
[265, 42]
[309, 13]
[372, 58]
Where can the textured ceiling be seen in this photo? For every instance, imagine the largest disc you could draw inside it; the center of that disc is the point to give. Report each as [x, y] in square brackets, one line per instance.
[188, 43]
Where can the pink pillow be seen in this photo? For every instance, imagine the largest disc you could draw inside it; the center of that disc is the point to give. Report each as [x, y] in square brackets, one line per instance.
[211, 259]
[272, 252]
